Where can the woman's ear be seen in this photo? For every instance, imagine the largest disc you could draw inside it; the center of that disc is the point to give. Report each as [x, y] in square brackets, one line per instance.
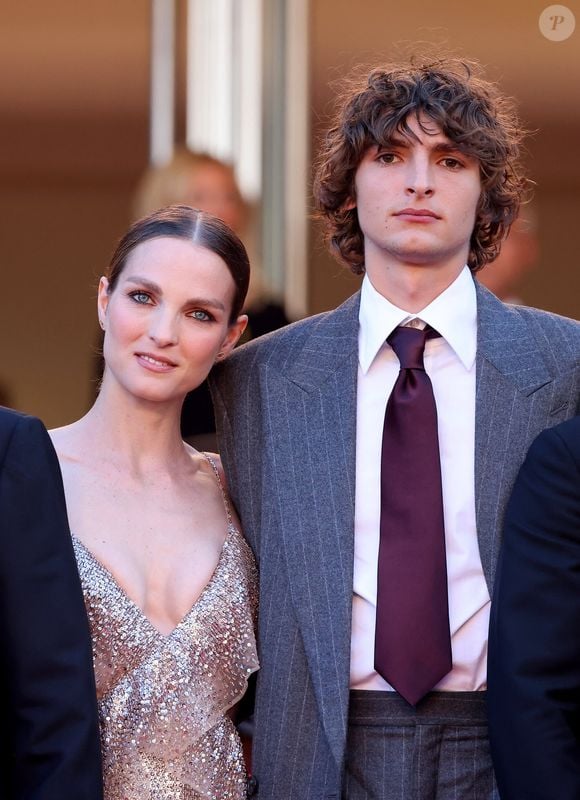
[235, 330]
[103, 301]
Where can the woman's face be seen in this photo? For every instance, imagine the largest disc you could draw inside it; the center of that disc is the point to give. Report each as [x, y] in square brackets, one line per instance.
[167, 320]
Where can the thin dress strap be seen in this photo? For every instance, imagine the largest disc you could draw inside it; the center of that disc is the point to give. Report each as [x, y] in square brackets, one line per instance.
[221, 485]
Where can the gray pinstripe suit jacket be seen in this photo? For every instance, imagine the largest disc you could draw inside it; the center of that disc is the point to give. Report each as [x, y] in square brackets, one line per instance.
[286, 412]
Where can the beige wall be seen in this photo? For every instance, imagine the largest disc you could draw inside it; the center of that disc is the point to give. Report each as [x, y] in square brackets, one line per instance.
[73, 140]
[58, 226]
[51, 259]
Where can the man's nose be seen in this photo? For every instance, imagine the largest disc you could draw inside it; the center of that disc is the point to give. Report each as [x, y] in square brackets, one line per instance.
[420, 180]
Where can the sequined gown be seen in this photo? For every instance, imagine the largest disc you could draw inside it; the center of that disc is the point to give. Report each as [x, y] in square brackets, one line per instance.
[163, 699]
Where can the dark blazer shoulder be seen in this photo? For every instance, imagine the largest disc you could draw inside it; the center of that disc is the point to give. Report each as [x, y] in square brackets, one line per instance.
[49, 740]
[9, 419]
[14, 425]
[534, 646]
[562, 439]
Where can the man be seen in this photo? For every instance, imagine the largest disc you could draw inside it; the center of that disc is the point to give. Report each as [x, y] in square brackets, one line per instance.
[49, 740]
[377, 533]
[534, 655]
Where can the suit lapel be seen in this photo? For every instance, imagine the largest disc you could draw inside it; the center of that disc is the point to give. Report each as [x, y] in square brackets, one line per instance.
[511, 375]
[313, 453]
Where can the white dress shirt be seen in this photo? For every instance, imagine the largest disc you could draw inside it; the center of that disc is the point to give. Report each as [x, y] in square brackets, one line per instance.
[450, 363]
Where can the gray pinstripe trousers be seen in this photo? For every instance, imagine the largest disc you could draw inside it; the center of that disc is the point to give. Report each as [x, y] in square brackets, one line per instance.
[438, 751]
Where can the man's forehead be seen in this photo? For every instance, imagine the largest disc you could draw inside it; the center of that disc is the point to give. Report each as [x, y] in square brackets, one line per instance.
[415, 126]
[415, 130]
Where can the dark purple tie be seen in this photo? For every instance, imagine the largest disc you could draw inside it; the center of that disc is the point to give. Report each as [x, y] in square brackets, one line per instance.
[412, 640]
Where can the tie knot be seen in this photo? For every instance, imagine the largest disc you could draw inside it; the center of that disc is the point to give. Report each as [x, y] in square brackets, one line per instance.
[409, 345]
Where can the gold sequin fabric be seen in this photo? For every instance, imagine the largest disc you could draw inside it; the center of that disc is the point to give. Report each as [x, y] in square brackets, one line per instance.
[163, 700]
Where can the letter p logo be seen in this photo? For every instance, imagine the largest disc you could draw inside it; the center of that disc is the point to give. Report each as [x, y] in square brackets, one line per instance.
[557, 23]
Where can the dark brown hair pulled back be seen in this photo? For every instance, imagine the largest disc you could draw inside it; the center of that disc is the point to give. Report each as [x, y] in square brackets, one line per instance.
[199, 227]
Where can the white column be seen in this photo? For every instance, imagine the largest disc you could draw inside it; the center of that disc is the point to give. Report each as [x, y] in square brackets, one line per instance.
[224, 85]
[162, 110]
[285, 150]
[247, 103]
[297, 129]
[247, 98]
[210, 76]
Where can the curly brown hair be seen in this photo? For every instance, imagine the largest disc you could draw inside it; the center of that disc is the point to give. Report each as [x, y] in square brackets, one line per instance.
[470, 112]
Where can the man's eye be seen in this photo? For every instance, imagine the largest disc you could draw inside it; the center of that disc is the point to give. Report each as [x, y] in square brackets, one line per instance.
[140, 297]
[386, 158]
[452, 163]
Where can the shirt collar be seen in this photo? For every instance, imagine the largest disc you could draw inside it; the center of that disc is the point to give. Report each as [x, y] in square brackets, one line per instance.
[453, 314]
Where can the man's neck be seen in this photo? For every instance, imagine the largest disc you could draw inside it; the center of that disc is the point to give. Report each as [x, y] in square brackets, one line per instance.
[412, 289]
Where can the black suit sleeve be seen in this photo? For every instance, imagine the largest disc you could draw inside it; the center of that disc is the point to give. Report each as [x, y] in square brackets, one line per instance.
[48, 725]
[534, 649]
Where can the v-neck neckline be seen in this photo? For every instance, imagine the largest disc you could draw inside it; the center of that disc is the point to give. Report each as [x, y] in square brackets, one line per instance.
[112, 579]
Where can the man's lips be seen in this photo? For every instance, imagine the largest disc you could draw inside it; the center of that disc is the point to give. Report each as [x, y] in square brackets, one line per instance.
[417, 214]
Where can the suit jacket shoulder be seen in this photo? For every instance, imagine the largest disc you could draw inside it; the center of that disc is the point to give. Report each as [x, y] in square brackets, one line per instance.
[281, 349]
[521, 329]
[558, 336]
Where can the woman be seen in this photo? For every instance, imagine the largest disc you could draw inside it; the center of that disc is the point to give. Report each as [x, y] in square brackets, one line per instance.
[198, 179]
[169, 583]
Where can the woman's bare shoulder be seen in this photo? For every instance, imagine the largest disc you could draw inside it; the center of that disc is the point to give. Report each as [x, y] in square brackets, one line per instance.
[65, 441]
[215, 458]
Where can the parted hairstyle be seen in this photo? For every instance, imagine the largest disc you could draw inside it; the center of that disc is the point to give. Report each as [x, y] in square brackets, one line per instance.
[198, 227]
[470, 112]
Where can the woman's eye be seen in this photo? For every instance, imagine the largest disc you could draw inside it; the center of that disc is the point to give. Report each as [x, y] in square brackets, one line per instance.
[140, 297]
[200, 315]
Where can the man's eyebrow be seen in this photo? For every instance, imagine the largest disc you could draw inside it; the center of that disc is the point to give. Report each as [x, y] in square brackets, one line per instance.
[450, 147]
[393, 141]
[439, 147]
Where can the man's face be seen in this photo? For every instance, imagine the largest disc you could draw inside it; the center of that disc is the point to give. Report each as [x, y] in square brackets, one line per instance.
[416, 201]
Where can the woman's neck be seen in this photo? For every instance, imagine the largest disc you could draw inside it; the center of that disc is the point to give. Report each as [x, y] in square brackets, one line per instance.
[138, 436]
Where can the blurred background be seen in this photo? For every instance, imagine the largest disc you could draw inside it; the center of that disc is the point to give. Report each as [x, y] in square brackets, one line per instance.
[92, 95]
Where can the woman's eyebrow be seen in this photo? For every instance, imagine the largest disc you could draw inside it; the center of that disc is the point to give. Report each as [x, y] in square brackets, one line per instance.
[192, 301]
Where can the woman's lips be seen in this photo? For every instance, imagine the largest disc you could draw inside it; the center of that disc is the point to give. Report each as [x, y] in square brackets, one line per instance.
[155, 363]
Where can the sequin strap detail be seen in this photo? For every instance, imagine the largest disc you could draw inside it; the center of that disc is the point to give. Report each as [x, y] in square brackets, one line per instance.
[225, 498]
